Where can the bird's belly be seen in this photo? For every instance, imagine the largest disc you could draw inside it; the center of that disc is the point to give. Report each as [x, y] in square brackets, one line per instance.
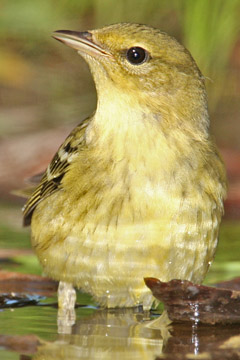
[110, 261]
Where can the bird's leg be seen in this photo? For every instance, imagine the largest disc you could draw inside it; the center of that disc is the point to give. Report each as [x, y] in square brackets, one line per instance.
[66, 307]
[66, 296]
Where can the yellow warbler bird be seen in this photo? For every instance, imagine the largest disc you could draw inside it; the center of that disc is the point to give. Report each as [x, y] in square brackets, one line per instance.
[136, 190]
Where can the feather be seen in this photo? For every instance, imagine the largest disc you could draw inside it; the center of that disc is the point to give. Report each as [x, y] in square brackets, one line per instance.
[52, 177]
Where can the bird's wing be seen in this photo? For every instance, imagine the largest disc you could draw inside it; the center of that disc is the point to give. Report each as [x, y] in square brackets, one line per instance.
[52, 177]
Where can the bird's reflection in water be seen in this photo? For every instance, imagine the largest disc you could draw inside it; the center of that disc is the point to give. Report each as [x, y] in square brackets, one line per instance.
[134, 334]
[109, 334]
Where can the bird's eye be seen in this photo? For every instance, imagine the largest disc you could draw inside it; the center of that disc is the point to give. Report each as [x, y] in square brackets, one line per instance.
[137, 55]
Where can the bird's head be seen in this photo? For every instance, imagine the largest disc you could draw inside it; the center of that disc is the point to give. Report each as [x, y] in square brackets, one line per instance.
[143, 64]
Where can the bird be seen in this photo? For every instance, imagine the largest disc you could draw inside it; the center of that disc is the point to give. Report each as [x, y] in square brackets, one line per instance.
[137, 188]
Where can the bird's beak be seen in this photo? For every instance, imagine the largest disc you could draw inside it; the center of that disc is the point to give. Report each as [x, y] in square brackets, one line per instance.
[81, 41]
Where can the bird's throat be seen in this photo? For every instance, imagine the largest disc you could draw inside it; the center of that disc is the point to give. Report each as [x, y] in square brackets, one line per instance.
[122, 129]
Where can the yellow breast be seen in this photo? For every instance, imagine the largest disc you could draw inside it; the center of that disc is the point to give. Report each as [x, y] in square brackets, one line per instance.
[126, 213]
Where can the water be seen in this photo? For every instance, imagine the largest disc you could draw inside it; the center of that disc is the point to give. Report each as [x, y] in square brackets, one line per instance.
[97, 334]
[32, 331]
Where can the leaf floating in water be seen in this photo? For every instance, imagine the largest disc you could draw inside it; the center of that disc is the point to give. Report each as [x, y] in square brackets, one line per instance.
[185, 301]
[201, 341]
[15, 301]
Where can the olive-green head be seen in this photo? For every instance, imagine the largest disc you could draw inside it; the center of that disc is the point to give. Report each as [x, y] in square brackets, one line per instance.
[142, 62]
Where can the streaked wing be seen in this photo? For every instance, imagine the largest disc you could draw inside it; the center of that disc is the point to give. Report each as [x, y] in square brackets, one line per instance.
[52, 177]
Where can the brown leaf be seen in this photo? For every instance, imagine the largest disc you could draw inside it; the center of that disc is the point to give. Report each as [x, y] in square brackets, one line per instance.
[185, 301]
[203, 341]
[26, 284]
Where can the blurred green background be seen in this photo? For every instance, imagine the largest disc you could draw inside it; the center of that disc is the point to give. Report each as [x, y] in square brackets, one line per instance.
[46, 88]
[44, 84]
